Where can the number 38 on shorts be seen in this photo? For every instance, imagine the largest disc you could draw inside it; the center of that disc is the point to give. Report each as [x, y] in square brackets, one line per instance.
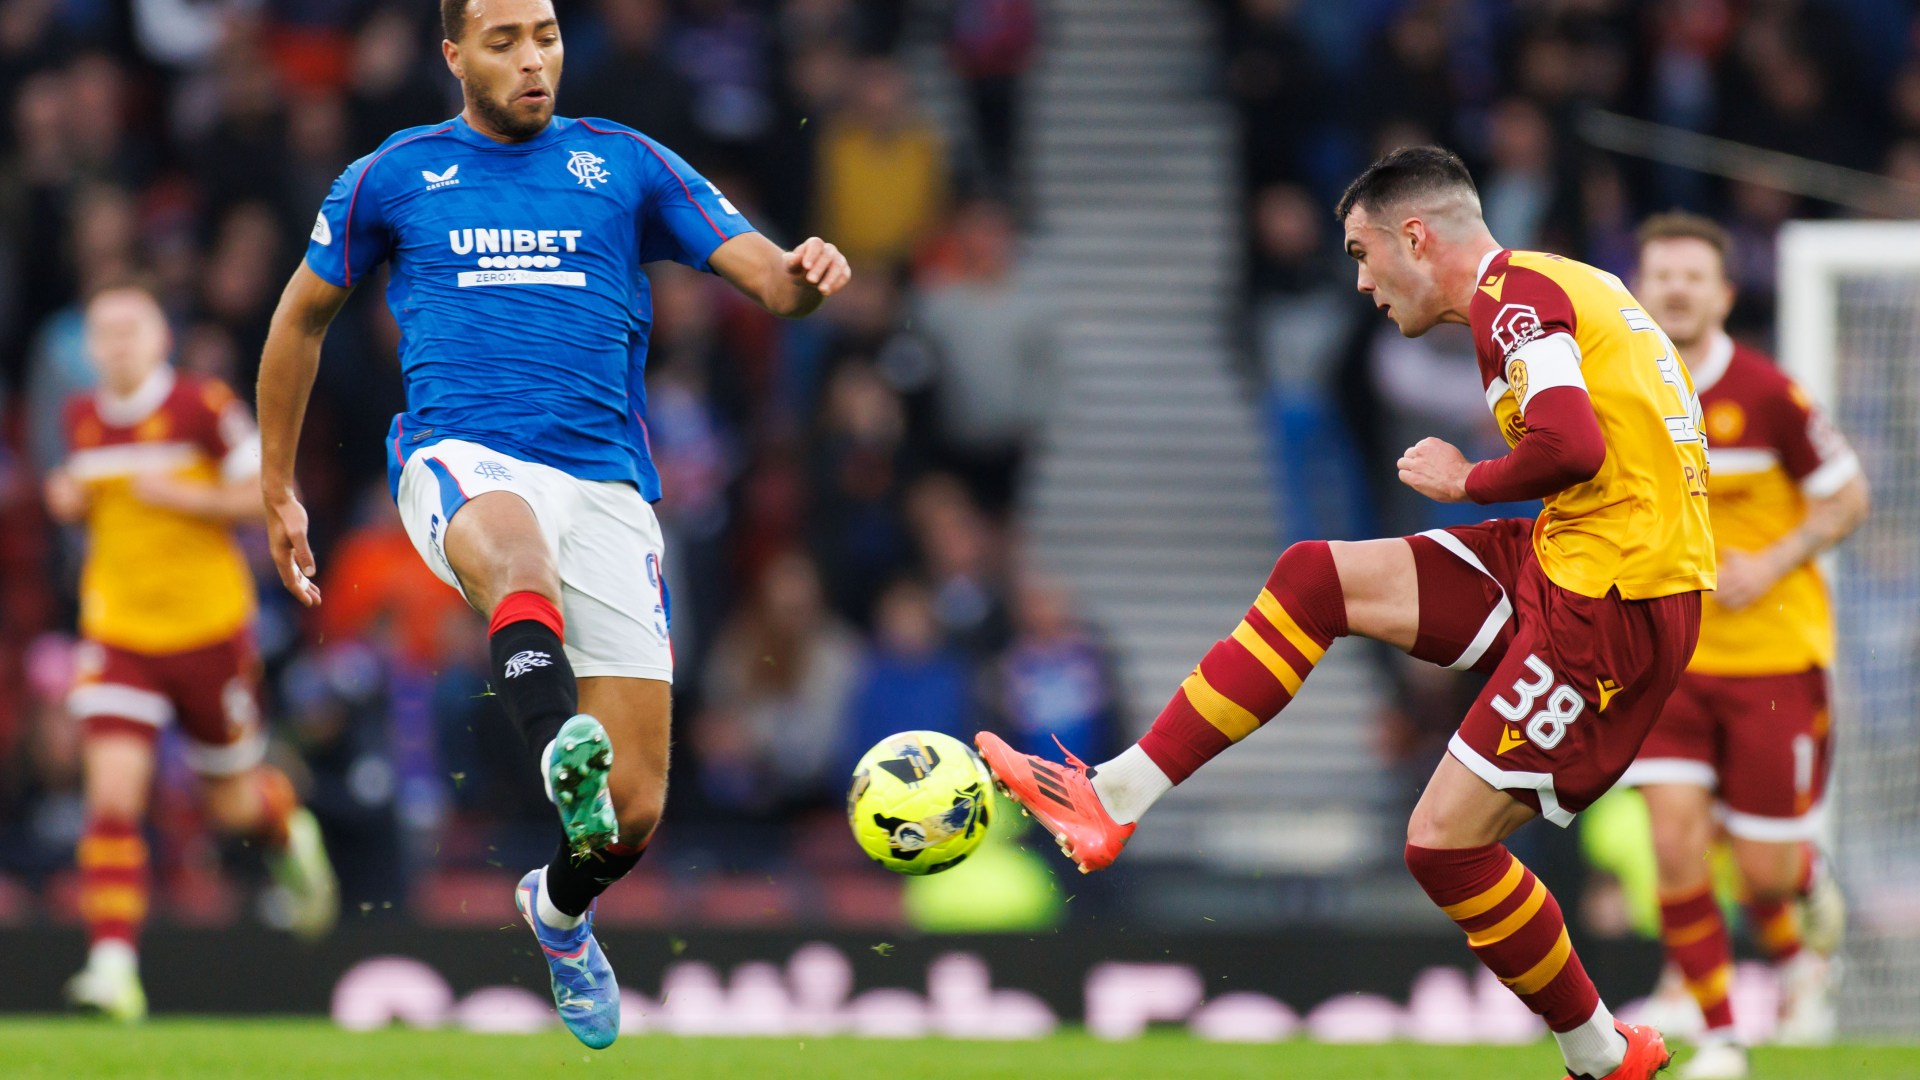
[1559, 705]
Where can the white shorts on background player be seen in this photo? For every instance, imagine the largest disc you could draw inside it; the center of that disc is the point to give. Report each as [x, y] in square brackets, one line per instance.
[602, 534]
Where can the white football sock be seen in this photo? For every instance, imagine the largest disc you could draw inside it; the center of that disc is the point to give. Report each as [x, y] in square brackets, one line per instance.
[1595, 1048]
[552, 916]
[113, 955]
[1130, 784]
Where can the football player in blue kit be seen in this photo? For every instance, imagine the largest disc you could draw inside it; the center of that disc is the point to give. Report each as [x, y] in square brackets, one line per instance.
[515, 239]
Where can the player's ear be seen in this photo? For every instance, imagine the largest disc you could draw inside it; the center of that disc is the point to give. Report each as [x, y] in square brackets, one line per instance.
[452, 53]
[1414, 234]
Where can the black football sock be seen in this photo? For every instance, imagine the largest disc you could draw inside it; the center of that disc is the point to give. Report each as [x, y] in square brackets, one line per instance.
[531, 674]
[572, 883]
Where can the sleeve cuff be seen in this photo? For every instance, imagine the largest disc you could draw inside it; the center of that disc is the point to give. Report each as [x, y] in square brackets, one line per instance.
[1831, 477]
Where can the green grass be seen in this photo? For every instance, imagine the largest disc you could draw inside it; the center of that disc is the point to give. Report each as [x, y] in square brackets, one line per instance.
[203, 1049]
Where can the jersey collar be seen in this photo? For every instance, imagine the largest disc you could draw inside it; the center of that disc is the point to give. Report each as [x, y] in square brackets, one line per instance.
[137, 406]
[1486, 261]
[1713, 362]
[466, 134]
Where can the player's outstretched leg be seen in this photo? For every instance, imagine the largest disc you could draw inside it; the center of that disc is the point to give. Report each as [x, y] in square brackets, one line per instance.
[584, 989]
[1240, 684]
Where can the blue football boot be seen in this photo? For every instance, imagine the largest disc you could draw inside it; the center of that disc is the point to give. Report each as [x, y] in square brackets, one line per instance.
[583, 986]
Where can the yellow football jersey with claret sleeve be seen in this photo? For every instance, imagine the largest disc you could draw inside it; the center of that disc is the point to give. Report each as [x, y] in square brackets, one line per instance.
[1641, 525]
[157, 581]
[1772, 451]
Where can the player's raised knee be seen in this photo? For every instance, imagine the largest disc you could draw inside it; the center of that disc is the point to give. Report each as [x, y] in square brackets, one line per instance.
[638, 818]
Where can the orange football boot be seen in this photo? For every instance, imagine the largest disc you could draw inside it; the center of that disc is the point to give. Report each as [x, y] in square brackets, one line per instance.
[1646, 1054]
[1062, 797]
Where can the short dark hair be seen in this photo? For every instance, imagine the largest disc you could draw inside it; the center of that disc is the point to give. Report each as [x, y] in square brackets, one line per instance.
[1682, 225]
[453, 18]
[1405, 173]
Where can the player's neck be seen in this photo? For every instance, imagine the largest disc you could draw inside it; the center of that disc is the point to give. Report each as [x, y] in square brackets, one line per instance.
[478, 123]
[1461, 274]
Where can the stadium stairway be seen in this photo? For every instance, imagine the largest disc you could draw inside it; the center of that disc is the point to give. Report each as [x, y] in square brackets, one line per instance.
[1149, 494]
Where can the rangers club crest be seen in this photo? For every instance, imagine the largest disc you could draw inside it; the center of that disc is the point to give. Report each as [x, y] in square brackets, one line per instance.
[585, 165]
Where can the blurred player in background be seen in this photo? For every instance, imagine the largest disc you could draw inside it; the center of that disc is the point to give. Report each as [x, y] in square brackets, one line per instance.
[1748, 726]
[161, 467]
[1583, 618]
[521, 468]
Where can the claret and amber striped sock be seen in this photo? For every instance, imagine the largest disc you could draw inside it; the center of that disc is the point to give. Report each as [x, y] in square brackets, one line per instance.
[112, 857]
[277, 804]
[1514, 926]
[1776, 927]
[1245, 680]
[1695, 934]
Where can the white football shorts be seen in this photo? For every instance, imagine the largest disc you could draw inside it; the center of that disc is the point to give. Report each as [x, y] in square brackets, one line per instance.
[602, 534]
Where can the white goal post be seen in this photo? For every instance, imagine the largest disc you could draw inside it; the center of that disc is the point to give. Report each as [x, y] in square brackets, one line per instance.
[1849, 332]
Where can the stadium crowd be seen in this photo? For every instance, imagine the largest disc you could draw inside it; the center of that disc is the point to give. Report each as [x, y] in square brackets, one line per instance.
[842, 493]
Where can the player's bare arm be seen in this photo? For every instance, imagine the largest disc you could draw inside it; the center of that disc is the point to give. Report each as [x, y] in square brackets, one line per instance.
[287, 368]
[66, 498]
[1745, 576]
[231, 501]
[790, 284]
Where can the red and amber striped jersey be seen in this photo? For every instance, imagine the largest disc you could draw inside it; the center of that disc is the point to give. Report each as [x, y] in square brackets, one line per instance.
[1640, 525]
[158, 581]
[1772, 450]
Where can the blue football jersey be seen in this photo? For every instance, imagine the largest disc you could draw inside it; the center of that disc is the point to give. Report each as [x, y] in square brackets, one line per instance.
[516, 282]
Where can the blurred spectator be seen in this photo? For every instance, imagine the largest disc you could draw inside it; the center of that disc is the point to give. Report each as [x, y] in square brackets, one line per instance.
[633, 82]
[882, 170]
[1054, 680]
[388, 87]
[1302, 311]
[1278, 86]
[909, 679]
[102, 249]
[1517, 187]
[777, 689]
[723, 49]
[991, 329]
[991, 43]
[380, 591]
[861, 470]
[961, 553]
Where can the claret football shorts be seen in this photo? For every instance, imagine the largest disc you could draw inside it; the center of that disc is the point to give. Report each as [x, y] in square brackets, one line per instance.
[1759, 742]
[210, 692]
[1574, 684]
[602, 534]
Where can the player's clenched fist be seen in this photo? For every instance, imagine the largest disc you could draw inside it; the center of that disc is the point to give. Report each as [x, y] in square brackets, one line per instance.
[1436, 469]
[819, 266]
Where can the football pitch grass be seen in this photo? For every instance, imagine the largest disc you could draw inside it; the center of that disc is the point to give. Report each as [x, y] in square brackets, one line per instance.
[214, 1049]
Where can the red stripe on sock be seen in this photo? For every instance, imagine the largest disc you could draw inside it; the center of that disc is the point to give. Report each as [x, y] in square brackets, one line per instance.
[1696, 938]
[1181, 740]
[1462, 876]
[1232, 670]
[112, 858]
[1776, 928]
[1280, 643]
[527, 606]
[1307, 584]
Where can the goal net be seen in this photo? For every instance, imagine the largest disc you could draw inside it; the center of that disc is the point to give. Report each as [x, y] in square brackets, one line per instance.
[1850, 333]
